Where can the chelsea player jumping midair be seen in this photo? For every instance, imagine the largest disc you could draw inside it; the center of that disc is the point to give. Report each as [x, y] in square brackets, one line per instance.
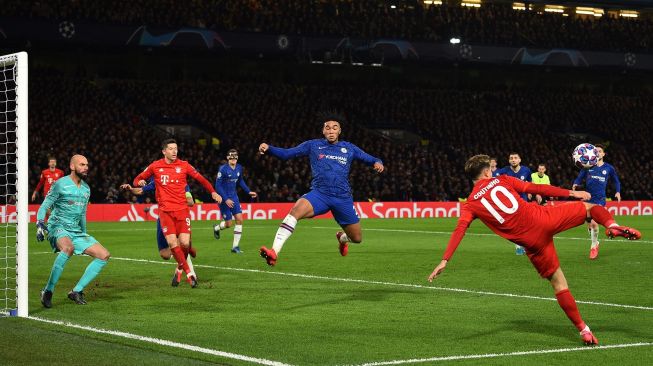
[331, 161]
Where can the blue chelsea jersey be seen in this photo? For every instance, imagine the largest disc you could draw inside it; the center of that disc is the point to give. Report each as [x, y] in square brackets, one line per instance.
[227, 179]
[523, 174]
[596, 181]
[330, 163]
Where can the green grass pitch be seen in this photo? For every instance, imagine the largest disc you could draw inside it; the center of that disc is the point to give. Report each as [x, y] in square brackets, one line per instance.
[318, 308]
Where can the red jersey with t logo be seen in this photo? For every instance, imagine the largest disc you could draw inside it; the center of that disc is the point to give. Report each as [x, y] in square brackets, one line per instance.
[48, 177]
[170, 182]
[498, 204]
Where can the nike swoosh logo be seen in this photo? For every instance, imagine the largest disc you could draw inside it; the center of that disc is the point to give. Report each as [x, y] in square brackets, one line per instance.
[321, 147]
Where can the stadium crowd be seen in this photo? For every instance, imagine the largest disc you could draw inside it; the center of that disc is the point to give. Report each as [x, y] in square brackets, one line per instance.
[491, 24]
[109, 121]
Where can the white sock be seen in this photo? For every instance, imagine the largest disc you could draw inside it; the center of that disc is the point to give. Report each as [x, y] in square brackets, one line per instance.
[594, 235]
[283, 233]
[238, 230]
[190, 265]
[222, 225]
[344, 238]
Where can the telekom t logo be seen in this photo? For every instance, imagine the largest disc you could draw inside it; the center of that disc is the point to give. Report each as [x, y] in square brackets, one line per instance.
[165, 179]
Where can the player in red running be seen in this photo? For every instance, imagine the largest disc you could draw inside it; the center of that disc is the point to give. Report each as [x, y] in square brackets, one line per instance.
[497, 203]
[170, 176]
[48, 177]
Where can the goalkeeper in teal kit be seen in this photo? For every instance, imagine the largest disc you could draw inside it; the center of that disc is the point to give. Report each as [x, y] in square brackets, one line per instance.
[330, 161]
[66, 230]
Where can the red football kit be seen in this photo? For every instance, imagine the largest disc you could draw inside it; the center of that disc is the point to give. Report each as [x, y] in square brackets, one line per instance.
[170, 182]
[48, 177]
[497, 203]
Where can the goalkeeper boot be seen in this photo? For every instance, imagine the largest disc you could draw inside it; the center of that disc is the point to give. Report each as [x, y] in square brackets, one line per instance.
[216, 231]
[176, 278]
[588, 338]
[46, 298]
[342, 247]
[594, 251]
[77, 297]
[625, 231]
[269, 255]
[236, 250]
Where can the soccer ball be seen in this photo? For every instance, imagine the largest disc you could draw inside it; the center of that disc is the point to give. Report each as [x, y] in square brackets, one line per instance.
[585, 156]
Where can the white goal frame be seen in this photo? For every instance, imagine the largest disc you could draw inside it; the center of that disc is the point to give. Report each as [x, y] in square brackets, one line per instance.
[22, 180]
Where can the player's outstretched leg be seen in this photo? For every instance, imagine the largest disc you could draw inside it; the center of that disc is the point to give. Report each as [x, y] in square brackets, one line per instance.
[603, 217]
[568, 305]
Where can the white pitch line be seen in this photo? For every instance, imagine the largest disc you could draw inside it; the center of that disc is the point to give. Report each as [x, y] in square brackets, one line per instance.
[510, 354]
[480, 234]
[163, 342]
[494, 355]
[353, 280]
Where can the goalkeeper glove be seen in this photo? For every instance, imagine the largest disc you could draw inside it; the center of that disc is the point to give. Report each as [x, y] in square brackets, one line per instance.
[41, 230]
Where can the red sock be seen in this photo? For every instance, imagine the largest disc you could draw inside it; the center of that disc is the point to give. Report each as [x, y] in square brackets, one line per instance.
[568, 305]
[180, 257]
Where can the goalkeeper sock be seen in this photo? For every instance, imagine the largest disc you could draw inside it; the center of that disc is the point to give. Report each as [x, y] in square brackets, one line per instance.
[238, 230]
[57, 270]
[92, 270]
[178, 253]
[283, 233]
[568, 305]
[594, 234]
[602, 216]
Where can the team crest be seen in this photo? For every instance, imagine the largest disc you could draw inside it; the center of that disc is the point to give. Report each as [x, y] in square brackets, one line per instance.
[238, 174]
[522, 177]
[219, 174]
[604, 172]
[177, 170]
[343, 150]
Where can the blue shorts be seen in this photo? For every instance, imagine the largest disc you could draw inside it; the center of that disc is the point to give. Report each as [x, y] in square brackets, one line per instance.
[228, 213]
[343, 209]
[161, 241]
[81, 241]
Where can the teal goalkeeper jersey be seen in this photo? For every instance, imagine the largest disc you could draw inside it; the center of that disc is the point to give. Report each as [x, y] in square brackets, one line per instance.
[68, 203]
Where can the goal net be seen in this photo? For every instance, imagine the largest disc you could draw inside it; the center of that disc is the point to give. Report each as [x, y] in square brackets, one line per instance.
[14, 185]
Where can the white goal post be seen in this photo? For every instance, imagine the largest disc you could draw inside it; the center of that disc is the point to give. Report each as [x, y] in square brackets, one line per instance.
[14, 184]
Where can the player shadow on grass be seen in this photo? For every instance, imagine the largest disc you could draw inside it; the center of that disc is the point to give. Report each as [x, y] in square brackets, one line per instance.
[363, 295]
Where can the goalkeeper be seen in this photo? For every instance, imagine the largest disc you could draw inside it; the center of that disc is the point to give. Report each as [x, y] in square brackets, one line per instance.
[68, 199]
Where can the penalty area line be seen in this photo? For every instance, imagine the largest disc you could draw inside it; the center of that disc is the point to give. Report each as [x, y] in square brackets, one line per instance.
[508, 354]
[383, 283]
[163, 342]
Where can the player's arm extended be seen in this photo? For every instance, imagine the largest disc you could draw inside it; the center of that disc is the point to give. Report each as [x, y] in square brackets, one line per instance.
[546, 190]
[368, 159]
[144, 176]
[284, 154]
[466, 218]
[49, 200]
[617, 182]
[200, 178]
[243, 185]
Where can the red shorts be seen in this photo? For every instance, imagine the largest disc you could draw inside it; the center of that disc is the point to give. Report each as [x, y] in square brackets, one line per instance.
[548, 221]
[175, 222]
